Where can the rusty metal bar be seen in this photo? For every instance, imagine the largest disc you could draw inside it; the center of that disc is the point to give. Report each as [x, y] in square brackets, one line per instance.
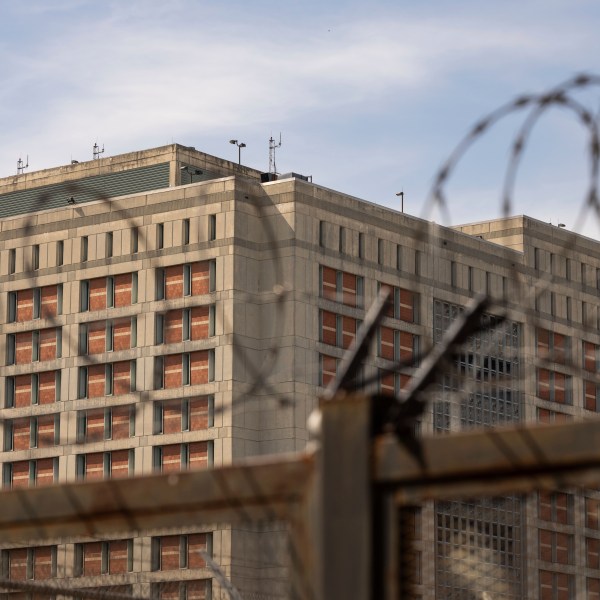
[246, 491]
[490, 462]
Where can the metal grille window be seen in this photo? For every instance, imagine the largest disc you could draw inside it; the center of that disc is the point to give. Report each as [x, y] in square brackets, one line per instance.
[483, 391]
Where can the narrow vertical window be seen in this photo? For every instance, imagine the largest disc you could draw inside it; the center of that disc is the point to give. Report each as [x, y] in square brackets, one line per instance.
[453, 277]
[83, 339]
[160, 284]
[60, 253]
[134, 240]
[212, 276]
[186, 232]
[133, 340]
[212, 227]
[84, 296]
[108, 379]
[12, 261]
[211, 320]
[35, 258]
[82, 382]
[160, 236]
[569, 309]
[11, 342]
[109, 335]
[186, 322]
[183, 540]
[9, 387]
[80, 466]
[35, 346]
[417, 262]
[84, 248]
[81, 427]
[399, 257]
[108, 424]
[470, 278]
[211, 365]
[59, 299]
[159, 329]
[342, 240]
[379, 251]
[133, 375]
[536, 258]
[187, 280]
[35, 388]
[185, 369]
[361, 245]
[157, 419]
[134, 287]
[56, 431]
[488, 283]
[109, 244]
[57, 385]
[12, 307]
[8, 436]
[33, 432]
[110, 292]
[211, 411]
[185, 415]
[583, 274]
[159, 372]
[322, 234]
[37, 302]
[360, 292]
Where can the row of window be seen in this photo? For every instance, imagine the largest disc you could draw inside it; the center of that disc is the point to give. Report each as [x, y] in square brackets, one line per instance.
[32, 389]
[33, 346]
[112, 423]
[108, 558]
[112, 291]
[108, 244]
[557, 264]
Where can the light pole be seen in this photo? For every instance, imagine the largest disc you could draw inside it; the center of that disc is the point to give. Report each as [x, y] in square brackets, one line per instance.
[401, 195]
[240, 145]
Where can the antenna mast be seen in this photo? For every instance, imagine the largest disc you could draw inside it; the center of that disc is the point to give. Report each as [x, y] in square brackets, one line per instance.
[97, 151]
[272, 147]
[20, 166]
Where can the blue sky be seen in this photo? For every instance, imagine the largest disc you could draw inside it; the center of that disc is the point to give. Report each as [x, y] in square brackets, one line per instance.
[370, 97]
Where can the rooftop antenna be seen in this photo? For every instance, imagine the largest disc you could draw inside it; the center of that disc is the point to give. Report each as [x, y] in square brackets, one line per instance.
[20, 166]
[272, 147]
[97, 151]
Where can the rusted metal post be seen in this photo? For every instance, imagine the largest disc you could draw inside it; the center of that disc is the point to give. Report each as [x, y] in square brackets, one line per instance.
[341, 520]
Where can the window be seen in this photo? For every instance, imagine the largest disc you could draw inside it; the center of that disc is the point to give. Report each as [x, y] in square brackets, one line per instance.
[417, 262]
[186, 369]
[555, 547]
[84, 296]
[35, 388]
[108, 379]
[9, 386]
[553, 346]
[11, 343]
[159, 328]
[60, 253]
[35, 257]
[342, 240]
[84, 248]
[12, 307]
[185, 234]
[12, 260]
[340, 286]
[211, 320]
[110, 336]
[35, 346]
[82, 382]
[536, 259]
[134, 287]
[103, 558]
[470, 280]
[187, 280]
[212, 227]
[555, 387]
[361, 245]
[110, 292]
[555, 507]
[159, 372]
[453, 274]
[380, 251]
[399, 257]
[160, 282]
[108, 250]
[160, 236]
[186, 324]
[134, 240]
[322, 234]
[180, 552]
[37, 302]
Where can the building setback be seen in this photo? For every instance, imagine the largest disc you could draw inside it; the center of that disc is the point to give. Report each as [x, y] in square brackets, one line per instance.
[140, 308]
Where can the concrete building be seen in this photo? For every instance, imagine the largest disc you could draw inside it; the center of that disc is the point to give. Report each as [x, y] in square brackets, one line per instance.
[166, 309]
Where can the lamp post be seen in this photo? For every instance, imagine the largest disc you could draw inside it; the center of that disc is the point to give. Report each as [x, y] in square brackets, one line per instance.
[240, 145]
[401, 196]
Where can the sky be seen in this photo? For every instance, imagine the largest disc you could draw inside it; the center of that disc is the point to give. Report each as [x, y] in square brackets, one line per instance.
[369, 97]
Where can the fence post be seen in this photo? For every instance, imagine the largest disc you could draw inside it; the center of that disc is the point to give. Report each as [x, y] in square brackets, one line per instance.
[341, 520]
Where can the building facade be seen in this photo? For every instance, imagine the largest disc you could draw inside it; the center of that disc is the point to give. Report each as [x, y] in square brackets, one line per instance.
[166, 309]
